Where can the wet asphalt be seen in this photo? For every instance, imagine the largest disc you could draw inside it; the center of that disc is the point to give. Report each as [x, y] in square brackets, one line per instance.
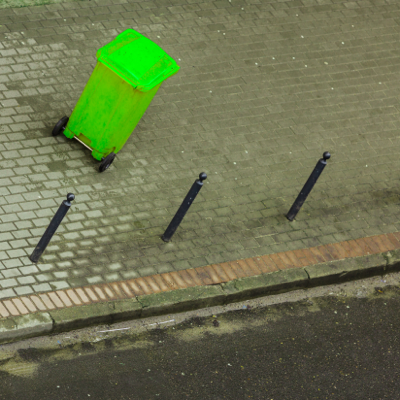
[330, 347]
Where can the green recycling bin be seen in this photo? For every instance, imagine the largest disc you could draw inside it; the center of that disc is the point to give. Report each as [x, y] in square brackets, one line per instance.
[128, 73]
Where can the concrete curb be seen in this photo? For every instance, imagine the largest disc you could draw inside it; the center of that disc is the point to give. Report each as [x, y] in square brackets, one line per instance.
[26, 326]
[179, 300]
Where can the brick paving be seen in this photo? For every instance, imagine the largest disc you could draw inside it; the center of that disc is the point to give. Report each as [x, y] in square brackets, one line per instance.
[201, 276]
[265, 87]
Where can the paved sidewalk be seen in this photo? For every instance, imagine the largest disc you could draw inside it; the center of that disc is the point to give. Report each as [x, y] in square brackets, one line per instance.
[194, 288]
[265, 87]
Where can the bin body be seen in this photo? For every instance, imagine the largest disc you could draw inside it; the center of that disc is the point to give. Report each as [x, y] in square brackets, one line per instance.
[128, 73]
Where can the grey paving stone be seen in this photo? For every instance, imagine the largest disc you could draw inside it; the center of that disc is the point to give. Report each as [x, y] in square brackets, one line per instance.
[23, 290]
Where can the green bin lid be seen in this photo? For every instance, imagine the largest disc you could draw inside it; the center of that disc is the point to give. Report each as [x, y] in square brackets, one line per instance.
[137, 60]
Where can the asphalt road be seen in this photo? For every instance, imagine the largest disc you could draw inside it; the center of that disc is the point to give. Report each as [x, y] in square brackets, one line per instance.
[331, 347]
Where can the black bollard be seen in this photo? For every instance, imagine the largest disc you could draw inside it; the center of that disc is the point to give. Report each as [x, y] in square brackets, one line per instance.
[51, 229]
[301, 198]
[188, 200]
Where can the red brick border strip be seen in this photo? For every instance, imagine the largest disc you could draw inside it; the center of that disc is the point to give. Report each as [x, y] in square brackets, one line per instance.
[208, 275]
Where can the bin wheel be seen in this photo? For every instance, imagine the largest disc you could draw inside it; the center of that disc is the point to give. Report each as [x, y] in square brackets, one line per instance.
[60, 126]
[106, 162]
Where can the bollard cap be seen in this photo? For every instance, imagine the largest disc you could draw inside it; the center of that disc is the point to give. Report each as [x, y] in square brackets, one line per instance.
[202, 176]
[326, 155]
[70, 197]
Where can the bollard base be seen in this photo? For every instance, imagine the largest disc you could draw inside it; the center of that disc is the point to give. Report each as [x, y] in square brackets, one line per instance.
[290, 218]
[166, 240]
